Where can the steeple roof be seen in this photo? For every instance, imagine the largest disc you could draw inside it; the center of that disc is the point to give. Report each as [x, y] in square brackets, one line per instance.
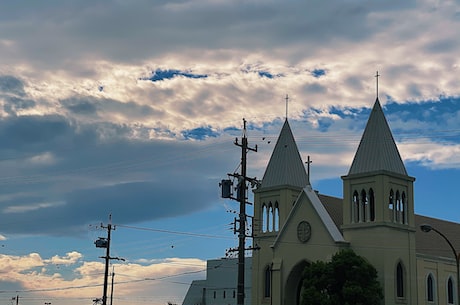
[377, 149]
[285, 166]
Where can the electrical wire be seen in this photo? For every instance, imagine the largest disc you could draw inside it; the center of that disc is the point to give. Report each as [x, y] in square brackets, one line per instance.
[175, 232]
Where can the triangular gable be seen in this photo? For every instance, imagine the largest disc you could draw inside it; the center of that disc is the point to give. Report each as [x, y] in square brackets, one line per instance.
[320, 210]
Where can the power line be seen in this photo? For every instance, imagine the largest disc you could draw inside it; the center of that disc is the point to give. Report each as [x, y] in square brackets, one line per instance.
[175, 232]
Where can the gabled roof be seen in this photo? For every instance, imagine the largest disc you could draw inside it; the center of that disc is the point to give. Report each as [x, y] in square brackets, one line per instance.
[377, 150]
[323, 213]
[285, 166]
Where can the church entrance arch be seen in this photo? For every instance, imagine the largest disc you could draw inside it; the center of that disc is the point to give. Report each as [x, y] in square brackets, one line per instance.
[293, 288]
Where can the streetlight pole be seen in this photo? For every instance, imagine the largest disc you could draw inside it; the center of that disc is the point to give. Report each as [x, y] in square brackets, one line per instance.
[427, 228]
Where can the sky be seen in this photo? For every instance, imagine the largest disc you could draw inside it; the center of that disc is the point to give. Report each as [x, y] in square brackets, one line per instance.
[131, 108]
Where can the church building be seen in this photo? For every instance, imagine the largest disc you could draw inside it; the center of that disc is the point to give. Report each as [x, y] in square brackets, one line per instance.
[294, 225]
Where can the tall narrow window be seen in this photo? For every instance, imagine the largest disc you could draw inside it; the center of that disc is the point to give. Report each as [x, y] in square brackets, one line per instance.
[391, 207]
[398, 207]
[429, 288]
[270, 218]
[450, 291]
[371, 205]
[364, 208]
[264, 218]
[276, 220]
[404, 208]
[267, 282]
[355, 208]
[399, 281]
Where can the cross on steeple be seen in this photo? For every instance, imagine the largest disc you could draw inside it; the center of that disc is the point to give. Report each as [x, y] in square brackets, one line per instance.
[309, 161]
[377, 83]
[287, 101]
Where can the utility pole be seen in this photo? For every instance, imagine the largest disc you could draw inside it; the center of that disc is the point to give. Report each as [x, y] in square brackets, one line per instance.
[242, 199]
[111, 287]
[105, 243]
[107, 260]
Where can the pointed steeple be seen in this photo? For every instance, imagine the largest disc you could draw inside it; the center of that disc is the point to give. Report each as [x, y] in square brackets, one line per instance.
[377, 150]
[285, 166]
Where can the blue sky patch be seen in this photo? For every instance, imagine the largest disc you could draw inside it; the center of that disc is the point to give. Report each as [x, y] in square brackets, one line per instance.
[160, 74]
[318, 73]
[200, 133]
[265, 74]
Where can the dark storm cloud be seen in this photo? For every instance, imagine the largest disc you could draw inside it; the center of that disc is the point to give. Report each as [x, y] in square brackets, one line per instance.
[23, 133]
[132, 202]
[80, 106]
[11, 84]
[57, 176]
[12, 104]
[127, 31]
[92, 106]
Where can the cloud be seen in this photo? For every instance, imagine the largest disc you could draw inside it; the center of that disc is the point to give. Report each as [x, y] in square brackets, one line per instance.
[34, 276]
[12, 85]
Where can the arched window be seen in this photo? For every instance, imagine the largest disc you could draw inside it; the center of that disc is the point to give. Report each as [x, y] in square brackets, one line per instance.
[371, 205]
[276, 220]
[400, 280]
[355, 207]
[270, 218]
[264, 218]
[364, 208]
[391, 207]
[430, 288]
[450, 291]
[403, 208]
[267, 282]
[398, 207]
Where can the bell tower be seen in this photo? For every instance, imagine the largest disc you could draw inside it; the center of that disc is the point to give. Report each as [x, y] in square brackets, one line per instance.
[284, 179]
[378, 210]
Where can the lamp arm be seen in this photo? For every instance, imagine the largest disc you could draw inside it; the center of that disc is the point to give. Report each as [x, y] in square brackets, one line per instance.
[456, 255]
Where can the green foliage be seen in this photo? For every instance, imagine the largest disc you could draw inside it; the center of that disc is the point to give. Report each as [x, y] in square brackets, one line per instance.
[348, 279]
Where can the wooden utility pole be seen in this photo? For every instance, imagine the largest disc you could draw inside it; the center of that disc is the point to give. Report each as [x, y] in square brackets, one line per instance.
[105, 243]
[107, 261]
[242, 199]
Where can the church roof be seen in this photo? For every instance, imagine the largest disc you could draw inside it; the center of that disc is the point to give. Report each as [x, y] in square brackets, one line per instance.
[377, 149]
[323, 213]
[285, 166]
[430, 244]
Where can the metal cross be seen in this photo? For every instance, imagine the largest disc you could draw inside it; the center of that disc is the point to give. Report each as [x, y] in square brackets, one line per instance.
[377, 82]
[309, 161]
[287, 101]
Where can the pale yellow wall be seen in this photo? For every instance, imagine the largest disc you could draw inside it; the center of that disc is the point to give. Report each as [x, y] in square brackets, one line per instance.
[384, 242]
[441, 269]
[288, 253]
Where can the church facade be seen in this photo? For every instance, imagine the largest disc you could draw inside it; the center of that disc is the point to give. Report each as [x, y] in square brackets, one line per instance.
[294, 225]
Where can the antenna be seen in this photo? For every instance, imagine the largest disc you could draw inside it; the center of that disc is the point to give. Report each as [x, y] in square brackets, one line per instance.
[377, 83]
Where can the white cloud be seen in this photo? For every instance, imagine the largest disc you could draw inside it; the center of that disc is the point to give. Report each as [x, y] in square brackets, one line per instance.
[131, 279]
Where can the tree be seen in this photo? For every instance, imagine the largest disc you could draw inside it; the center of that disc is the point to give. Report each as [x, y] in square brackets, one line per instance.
[348, 279]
